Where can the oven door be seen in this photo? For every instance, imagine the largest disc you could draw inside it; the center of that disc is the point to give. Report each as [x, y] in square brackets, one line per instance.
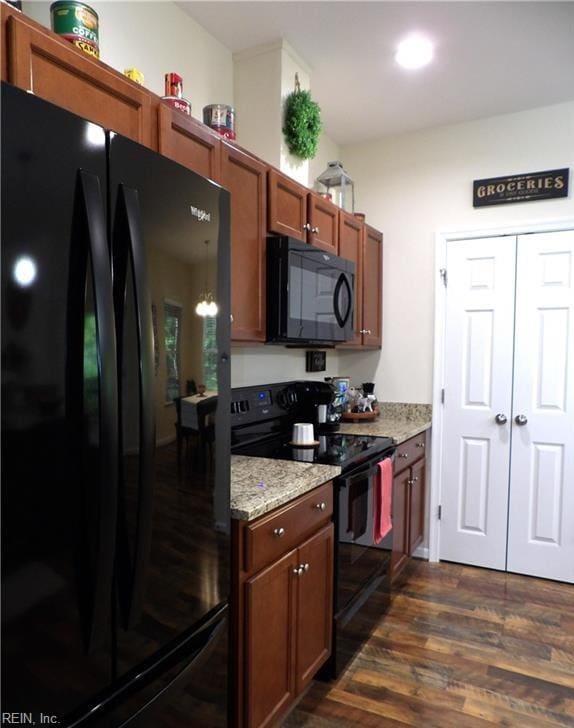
[362, 565]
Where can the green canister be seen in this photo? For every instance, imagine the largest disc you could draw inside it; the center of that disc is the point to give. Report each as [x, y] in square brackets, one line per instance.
[77, 23]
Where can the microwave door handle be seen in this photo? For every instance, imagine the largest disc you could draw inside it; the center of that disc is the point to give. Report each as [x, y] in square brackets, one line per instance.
[342, 281]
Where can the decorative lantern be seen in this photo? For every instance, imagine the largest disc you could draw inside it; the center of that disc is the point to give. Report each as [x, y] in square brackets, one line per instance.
[336, 182]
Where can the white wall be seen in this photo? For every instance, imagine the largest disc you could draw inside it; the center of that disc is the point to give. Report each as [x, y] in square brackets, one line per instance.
[412, 185]
[268, 364]
[158, 37]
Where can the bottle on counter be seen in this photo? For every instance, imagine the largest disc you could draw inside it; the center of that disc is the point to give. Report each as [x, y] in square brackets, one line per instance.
[174, 93]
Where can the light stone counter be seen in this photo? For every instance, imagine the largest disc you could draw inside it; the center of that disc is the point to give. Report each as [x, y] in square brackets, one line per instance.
[397, 420]
[259, 485]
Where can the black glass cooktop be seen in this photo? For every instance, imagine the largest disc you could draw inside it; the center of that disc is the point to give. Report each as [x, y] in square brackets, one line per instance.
[333, 449]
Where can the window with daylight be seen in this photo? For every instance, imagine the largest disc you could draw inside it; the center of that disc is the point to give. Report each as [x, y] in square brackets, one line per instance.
[210, 353]
[172, 341]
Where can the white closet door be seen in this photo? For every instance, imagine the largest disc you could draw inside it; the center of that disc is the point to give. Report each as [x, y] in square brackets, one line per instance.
[541, 516]
[478, 387]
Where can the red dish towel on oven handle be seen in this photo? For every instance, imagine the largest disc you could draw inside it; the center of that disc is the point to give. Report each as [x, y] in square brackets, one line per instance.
[383, 500]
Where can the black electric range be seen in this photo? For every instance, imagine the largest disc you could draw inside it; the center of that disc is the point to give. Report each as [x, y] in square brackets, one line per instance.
[347, 451]
[262, 419]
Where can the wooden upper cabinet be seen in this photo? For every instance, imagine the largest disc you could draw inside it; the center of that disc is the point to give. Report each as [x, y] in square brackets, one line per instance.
[287, 206]
[53, 69]
[372, 288]
[351, 233]
[323, 218]
[245, 177]
[189, 142]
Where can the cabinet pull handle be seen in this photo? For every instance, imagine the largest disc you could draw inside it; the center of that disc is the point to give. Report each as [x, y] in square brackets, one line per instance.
[279, 532]
[320, 506]
[420, 444]
[403, 455]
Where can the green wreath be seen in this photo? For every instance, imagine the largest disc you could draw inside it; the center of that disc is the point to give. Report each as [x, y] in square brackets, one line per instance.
[302, 124]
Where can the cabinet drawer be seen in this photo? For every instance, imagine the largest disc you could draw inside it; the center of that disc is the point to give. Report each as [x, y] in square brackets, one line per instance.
[272, 535]
[409, 451]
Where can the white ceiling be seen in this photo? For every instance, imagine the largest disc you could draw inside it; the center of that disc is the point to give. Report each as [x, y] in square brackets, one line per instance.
[490, 57]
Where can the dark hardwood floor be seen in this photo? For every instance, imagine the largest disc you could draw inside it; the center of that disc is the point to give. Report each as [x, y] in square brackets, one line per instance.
[460, 647]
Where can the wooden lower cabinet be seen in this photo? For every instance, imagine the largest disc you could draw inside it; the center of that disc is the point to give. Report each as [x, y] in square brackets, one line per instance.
[270, 639]
[314, 620]
[409, 499]
[283, 611]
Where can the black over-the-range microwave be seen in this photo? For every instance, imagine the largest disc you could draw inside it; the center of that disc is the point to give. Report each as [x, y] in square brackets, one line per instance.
[310, 294]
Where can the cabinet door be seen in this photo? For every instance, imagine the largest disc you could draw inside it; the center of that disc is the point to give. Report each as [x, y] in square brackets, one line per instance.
[287, 206]
[187, 141]
[314, 605]
[245, 178]
[351, 233]
[57, 71]
[417, 505]
[373, 288]
[323, 218]
[270, 641]
[400, 522]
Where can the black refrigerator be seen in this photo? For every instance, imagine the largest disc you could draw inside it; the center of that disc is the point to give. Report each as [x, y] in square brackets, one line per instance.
[115, 556]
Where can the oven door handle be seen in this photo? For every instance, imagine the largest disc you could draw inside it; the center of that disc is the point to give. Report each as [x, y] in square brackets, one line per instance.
[363, 472]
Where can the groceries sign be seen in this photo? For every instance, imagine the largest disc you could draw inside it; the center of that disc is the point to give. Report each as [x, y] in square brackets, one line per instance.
[520, 188]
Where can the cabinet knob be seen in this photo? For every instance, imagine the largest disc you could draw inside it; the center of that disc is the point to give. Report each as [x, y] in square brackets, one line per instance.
[306, 226]
[315, 230]
[501, 419]
[230, 318]
[320, 506]
[366, 331]
[521, 420]
[420, 444]
[403, 455]
[298, 571]
[279, 532]
[305, 567]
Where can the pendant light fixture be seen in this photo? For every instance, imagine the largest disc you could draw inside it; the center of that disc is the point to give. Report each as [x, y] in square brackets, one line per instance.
[206, 306]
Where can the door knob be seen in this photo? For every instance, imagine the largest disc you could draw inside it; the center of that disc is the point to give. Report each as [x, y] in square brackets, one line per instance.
[521, 420]
[501, 419]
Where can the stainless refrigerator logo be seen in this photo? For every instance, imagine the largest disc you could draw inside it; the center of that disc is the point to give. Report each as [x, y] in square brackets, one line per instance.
[201, 215]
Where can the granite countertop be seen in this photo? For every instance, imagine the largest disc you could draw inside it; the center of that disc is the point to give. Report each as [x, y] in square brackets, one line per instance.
[259, 485]
[397, 420]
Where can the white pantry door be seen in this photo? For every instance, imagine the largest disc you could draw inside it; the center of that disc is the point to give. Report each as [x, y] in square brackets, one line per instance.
[478, 387]
[541, 515]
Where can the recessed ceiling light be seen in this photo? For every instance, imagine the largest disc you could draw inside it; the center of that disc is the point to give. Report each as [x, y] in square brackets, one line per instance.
[414, 52]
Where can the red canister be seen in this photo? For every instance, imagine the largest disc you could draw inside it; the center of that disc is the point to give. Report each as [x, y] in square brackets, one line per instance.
[174, 93]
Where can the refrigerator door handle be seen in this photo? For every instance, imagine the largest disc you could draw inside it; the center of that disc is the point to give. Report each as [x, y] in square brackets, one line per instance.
[94, 220]
[129, 260]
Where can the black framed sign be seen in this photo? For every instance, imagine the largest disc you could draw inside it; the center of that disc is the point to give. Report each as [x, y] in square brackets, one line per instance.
[520, 188]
